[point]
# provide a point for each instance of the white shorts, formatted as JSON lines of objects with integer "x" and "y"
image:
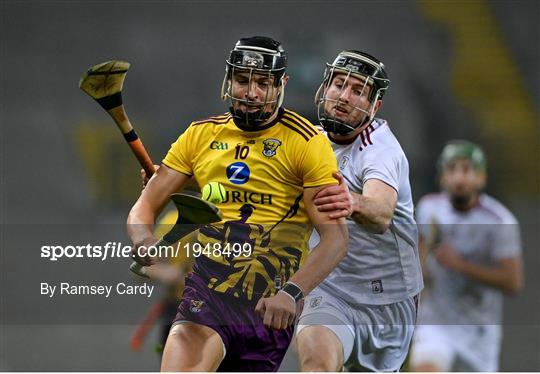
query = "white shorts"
{"x": 457, "y": 347}
{"x": 374, "y": 337}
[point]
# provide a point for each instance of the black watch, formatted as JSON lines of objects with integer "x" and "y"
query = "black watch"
{"x": 293, "y": 290}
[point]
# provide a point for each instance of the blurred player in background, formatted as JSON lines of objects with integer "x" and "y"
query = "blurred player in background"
{"x": 237, "y": 309}
{"x": 472, "y": 250}
{"x": 363, "y": 314}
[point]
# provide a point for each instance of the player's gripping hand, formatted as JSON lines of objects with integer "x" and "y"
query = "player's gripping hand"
{"x": 139, "y": 252}
{"x": 335, "y": 199}
{"x": 278, "y": 311}
{"x": 145, "y": 178}
{"x": 448, "y": 257}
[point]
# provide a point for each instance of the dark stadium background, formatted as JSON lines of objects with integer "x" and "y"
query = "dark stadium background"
{"x": 458, "y": 69}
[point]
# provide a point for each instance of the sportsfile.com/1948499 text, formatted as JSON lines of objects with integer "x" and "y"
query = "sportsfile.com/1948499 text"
{"x": 117, "y": 250}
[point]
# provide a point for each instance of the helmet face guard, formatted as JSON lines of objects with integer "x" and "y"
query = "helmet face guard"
{"x": 255, "y": 59}
{"x": 359, "y": 65}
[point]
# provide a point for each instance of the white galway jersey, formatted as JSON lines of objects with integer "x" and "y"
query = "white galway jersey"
{"x": 483, "y": 235}
{"x": 379, "y": 268}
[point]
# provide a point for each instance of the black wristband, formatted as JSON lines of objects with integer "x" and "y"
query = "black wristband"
{"x": 293, "y": 290}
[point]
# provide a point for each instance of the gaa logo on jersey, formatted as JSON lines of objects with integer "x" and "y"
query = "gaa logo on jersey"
{"x": 219, "y": 146}
{"x": 270, "y": 146}
{"x": 238, "y": 173}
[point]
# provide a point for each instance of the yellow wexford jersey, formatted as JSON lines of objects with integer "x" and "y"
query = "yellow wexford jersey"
{"x": 263, "y": 238}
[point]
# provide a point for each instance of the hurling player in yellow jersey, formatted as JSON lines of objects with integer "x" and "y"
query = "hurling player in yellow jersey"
{"x": 240, "y": 301}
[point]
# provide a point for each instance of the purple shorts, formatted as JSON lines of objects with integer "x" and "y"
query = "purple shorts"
{"x": 249, "y": 344}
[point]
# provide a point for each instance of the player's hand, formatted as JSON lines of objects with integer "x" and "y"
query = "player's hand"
{"x": 165, "y": 273}
{"x": 139, "y": 252}
{"x": 278, "y": 311}
{"x": 335, "y": 199}
{"x": 145, "y": 178}
{"x": 448, "y": 257}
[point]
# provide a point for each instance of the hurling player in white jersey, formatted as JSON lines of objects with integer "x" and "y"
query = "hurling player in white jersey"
{"x": 472, "y": 250}
{"x": 362, "y": 315}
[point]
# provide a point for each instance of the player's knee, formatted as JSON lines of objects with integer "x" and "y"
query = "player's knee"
{"x": 192, "y": 347}
{"x": 177, "y": 335}
{"x": 318, "y": 354}
{"x": 312, "y": 360}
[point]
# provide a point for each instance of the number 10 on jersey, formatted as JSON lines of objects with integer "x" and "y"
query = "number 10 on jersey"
{"x": 241, "y": 152}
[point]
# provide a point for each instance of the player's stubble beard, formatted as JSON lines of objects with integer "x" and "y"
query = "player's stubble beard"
{"x": 351, "y": 137}
{"x": 251, "y": 120}
{"x": 331, "y": 106}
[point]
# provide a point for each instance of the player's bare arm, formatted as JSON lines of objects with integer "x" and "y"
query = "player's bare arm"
{"x": 152, "y": 200}
{"x": 373, "y": 208}
{"x": 279, "y": 311}
{"x": 506, "y": 274}
{"x": 330, "y": 250}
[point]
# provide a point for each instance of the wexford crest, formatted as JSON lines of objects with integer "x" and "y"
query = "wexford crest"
{"x": 270, "y": 147}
